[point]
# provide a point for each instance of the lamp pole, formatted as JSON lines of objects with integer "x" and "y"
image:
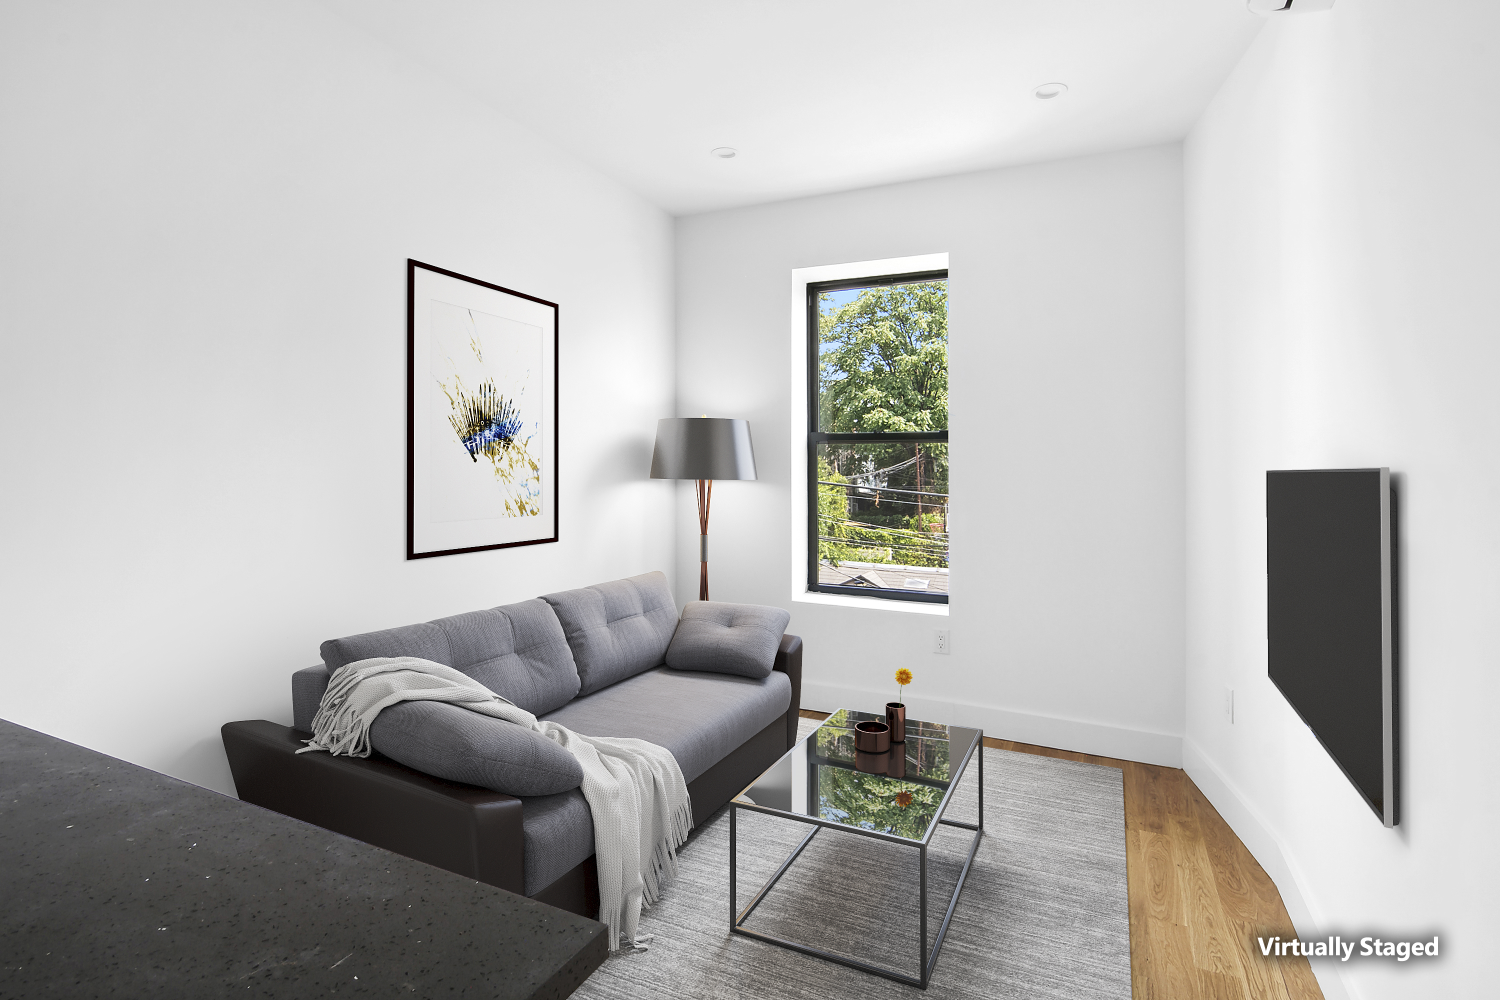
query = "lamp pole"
{"x": 705, "y": 497}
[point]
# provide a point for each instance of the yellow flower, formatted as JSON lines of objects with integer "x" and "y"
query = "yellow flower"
{"x": 903, "y": 677}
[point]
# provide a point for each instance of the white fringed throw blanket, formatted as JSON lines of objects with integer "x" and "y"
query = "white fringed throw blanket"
{"x": 634, "y": 789}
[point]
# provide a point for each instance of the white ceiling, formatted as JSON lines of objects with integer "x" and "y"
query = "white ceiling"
{"x": 822, "y": 95}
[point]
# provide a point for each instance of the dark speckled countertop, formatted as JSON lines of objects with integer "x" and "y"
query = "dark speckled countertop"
{"x": 117, "y": 881}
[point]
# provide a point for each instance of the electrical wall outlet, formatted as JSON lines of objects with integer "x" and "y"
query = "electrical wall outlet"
{"x": 940, "y": 642}
{"x": 1229, "y": 704}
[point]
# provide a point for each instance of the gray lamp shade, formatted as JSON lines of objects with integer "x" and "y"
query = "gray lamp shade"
{"x": 702, "y": 448}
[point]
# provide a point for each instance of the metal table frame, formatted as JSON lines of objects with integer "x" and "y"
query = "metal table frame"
{"x": 925, "y": 960}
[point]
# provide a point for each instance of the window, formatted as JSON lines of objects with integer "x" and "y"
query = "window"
{"x": 877, "y": 442}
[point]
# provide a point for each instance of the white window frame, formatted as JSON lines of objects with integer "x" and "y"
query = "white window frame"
{"x": 797, "y": 349}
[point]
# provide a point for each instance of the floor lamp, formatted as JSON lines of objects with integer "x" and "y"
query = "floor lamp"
{"x": 704, "y": 449}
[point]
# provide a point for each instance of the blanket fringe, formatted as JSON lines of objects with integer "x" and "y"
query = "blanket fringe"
{"x": 340, "y": 732}
{"x": 663, "y": 867}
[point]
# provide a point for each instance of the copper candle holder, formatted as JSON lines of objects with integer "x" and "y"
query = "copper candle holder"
{"x": 872, "y": 737}
{"x": 895, "y": 718}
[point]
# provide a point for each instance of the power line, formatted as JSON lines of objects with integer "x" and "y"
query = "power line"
{"x": 880, "y": 472}
{"x": 932, "y": 537}
{"x": 882, "y": 544}
{"x": 865, "y": 525}
{"x": 881, "y": 489}
{"x": 913, "y": 553}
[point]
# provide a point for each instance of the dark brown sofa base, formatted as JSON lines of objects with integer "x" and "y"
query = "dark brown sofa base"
{"x": 472, "y": 831}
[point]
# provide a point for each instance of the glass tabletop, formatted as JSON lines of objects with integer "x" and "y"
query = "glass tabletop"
{"x": 900, "y": 793}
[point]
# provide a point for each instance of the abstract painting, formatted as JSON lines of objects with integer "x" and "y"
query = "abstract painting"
{"x": 481, "y": 415}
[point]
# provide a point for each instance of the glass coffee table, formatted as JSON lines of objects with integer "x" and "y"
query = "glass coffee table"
{"x": 898, "y": 797}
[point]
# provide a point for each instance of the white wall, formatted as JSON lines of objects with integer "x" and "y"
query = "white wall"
{"x": 1343, "y": 309}
{"x": 1067, "y": 442}
{"x": 207, "y": 211}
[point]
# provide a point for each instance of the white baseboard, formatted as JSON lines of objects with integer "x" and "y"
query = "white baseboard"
{"x": 1250, "y": 826}
{"x": 1001, "y": 723}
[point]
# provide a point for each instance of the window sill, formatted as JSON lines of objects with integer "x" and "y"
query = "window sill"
{"x": 871, "y": 603}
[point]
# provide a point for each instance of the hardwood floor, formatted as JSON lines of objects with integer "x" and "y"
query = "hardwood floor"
{"x": 1197, "y": 896}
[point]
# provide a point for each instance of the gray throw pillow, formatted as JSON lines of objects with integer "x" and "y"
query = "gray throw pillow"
{"x": 446, "y": 741}
{"x": 728, "y": 638}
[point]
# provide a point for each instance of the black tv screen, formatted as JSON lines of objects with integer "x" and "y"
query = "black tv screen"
{"x": 1331, "y": 618}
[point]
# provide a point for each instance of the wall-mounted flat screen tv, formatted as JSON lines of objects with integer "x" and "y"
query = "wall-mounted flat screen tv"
{"x": 1331, "y": 618}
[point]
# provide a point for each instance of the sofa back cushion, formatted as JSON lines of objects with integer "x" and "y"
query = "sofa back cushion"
{"x": 616, "y": 630}
{"x": 517, "y": 651}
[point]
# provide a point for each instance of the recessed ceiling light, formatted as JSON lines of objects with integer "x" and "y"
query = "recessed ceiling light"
{"x": 1047, "y": 91}
{"x": 723, "y": 152}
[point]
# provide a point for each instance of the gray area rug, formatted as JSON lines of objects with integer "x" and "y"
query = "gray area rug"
{"x": 1044, "y": 913}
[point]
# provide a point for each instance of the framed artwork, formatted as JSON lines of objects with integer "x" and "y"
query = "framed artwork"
{"x": 481, "y": 415}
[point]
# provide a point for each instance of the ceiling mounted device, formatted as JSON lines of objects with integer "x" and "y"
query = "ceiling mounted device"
{"x": 1048, "y": 91}
{"x": 1287, "y": 6}
{"x": 724, "y": 152}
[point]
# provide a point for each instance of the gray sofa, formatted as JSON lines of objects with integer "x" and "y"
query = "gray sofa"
{"x": 718, "y": 687}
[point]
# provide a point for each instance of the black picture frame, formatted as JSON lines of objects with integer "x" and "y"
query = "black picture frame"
{"x": 442, "y": 496}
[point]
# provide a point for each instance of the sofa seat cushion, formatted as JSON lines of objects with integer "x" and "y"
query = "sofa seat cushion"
{"x": 700, "y": 717}
{"x": 517, "y": 651}
{"x": 728, "y": 638}
{"x": 618, "y": 629}
{"x": 448, "y": 741}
